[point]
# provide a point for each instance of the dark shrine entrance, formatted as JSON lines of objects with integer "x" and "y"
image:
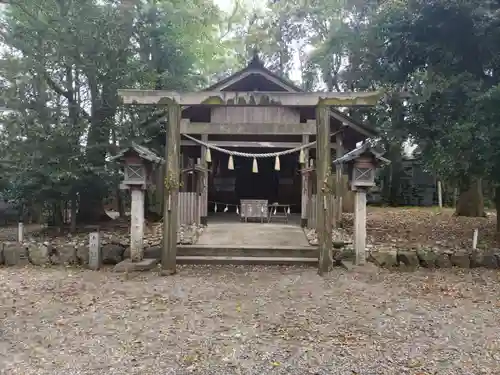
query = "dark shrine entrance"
{"x": 261, "y": 185}
{"x": 229, "y": 187}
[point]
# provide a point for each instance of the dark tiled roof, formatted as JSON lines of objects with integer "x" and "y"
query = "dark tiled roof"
{"x": 255, "y": 64}
{"x": 142, "y": 151}
{"x": 357, "y": 152}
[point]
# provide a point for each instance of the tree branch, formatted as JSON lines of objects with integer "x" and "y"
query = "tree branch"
{"x": 67, "y": 94}
{"x": 155, "y": 116}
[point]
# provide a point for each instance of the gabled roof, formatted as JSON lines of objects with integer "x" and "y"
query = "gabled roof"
{"x": 365, "y": 148}
{"x": 143, "y": 152}
{"x": 256, "y": 66}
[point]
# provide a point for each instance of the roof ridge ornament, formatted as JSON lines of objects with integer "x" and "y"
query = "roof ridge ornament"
{"x": 255, "y": 62}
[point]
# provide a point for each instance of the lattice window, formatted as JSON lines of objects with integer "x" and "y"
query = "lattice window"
{"x": 408, "y": 172}
{"x": 364, "y": 175}
{"x": 135, "y": 172}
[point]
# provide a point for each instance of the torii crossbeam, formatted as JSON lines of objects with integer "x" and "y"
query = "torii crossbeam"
{"x": 251, "y": 98}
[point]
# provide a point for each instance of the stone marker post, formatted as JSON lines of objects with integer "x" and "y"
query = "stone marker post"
{"x": 360, "y": 226}
{"x": 137, "y": 224}
{"x": 20, "y": 232}
{"x": 95, "y": 254}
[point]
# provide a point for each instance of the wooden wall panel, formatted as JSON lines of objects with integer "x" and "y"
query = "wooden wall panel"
{"x": 255, "y": 115}
{"x": 189, "y": 209}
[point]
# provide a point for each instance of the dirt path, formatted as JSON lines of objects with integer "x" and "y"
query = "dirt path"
{"x": 249, "y": 320}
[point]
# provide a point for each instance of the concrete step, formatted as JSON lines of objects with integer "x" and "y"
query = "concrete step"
{"x": 249, "y": 251}
{"x": 200, "y": 259}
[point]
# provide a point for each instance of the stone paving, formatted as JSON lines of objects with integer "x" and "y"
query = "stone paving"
{"x": 253, "y": 234}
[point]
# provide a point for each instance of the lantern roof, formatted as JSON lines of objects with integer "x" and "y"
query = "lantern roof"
{"x": 364, "y": 149}
{"x": 141, "y": 151}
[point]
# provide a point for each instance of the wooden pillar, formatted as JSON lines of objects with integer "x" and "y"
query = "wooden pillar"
{"x": 339, "y": 188}
{"x": 183, "y": 176}
{"x": 360, "y": 226}
{"x": 160, "y": 188}
{"x": 310, "y": 186}
{"x": 323, "y": 172}
{"x": 169, "y": 253}
{"x": 204, "y": 182}
{"x": 305, "y": 185}
{"x": 137, "y": 224}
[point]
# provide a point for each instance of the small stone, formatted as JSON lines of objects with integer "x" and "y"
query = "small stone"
{"x": 153, "y": 252}
{"x": 66, "y": 254}
{"x": 460, "y": 258}
{"x": 112, "y": 254}
{"x": 491, "y": 261}
{"x": 15, "y": 254}
{"x": 128, "y": 266}
{"x": 476, "y": 259}
{"x": 443, "y": 261}
{"x": 39, "y": 254}
{"x": 427, "y": 257}
{"x": 386, "y": 258}
{"x": 408, "y": 258}
{"x": 55, "y": 259}
{"x": 348, "y": 254}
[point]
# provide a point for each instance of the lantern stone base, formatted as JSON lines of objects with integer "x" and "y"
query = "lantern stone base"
{"x": 127, "y": 265}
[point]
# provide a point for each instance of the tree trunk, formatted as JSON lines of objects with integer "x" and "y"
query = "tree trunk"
{"x": 91, "y": 198}
{"x": 73, "y": 214}
{"x": 104, "y": 106}
{"x": 392, "y": 175}
{"x": 470, "y": 202}
{"x": 395, "y": 189}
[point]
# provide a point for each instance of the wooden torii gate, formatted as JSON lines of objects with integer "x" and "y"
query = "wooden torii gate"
{"x": 176, "y": 100}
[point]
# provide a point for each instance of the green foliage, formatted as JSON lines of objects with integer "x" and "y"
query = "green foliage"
{"x": 59, "y": 74}
{"x": 64, "y": 60}
{"x": 443, "y": 55}
{"x": 445, "y": 51}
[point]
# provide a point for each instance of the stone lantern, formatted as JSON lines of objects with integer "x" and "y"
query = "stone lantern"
{"x": 138, "y": 165}
{"x": 362, "y": 163}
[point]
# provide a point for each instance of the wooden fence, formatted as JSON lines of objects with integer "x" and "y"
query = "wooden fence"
{"x": 189, "y": 208}
{"x": 312, "y": 211}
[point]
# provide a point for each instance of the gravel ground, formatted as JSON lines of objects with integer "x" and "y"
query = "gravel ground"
{"x": 249, "y": 320}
